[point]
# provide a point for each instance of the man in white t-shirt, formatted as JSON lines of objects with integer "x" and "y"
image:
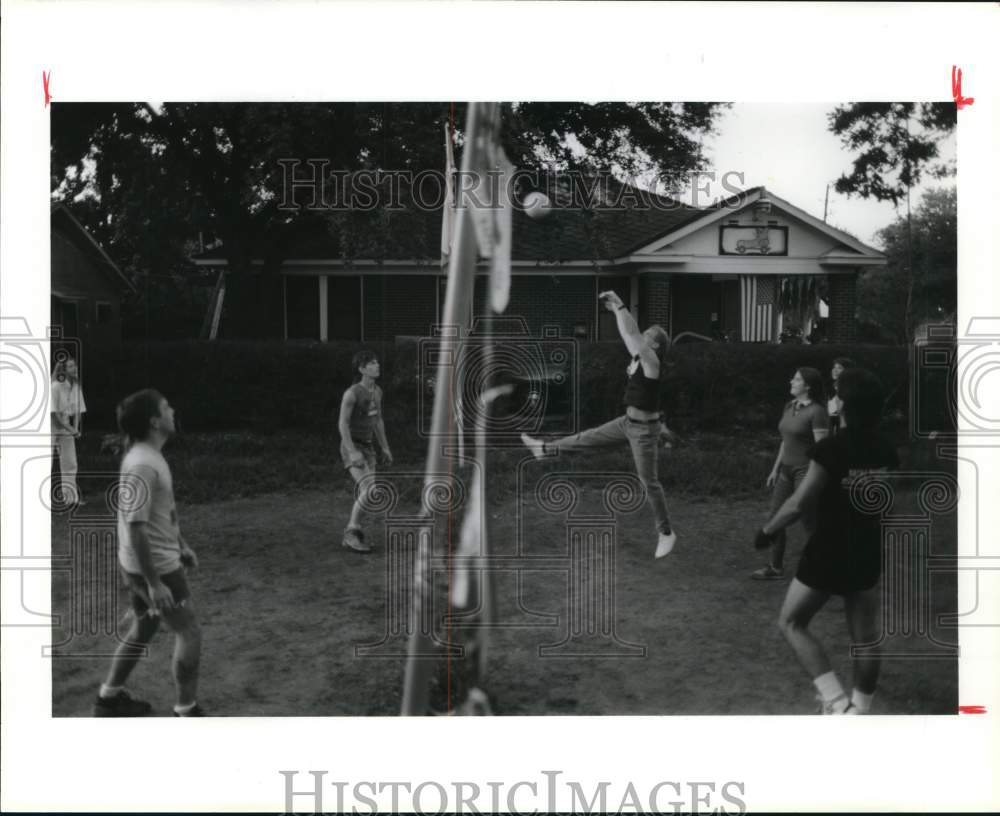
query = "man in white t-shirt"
{"x": 154, "y": 559}
{"x": 66, "y": 415}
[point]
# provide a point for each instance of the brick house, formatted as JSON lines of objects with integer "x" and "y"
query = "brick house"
{"x": 703, "y": 271}
{"x": 86, "y": 295}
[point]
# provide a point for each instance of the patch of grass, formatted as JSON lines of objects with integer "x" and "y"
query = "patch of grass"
{"x": 226, "y": 465}
{"x": 214, "y": 467}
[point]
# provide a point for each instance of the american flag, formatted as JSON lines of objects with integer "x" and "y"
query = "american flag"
{"x": 757, "y": 299}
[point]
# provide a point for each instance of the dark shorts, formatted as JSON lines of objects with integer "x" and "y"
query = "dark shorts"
{"x": 366, "y": 449}
{"x": 138, "y": 591}
{"x": 832, "y": 567}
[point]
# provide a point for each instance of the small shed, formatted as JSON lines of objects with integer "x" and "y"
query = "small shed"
{"x": 86, "y": 296}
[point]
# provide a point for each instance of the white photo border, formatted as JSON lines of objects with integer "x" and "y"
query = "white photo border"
{"x": 336, "y": 51}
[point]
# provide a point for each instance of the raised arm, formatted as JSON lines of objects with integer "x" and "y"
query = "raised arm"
{"x": 627, "y": 327}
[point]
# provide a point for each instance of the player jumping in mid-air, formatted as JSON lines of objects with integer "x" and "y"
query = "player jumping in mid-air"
{"x": 843, "y": 555}
{"x": 154, "y": 558}
{"x": 360, "y": 421}
{"x": 640, "y": 426}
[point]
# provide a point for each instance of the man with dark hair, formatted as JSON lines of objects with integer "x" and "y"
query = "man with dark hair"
{"x": 154, "y": 558}
{"x": 359, "y": 422}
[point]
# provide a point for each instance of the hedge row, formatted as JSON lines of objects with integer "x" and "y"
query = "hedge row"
{"x": 267, "y": 386}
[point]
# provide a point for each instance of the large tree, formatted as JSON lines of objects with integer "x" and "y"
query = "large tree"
{"x": 897, "y": 143}
{"x": 883, "y": 309}
{"x": 149, "y": 180}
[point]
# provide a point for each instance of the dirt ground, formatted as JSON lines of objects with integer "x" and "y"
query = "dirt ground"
{"x": 283, "y": 607}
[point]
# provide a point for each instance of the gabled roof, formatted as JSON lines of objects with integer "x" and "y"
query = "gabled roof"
{"x": 60, "y": 212}
{"x": 565, "y": 234}
{"x": 728, "y": 206}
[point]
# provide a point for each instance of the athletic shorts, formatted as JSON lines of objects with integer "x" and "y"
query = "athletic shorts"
{"x": 832, "y": 567}
{"x": 367, "y": 450}
{"x": 138, "y": 590}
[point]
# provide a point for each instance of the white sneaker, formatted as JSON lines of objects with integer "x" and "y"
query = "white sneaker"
{"x": 834, "y": 706}
{"x": 665, "y": 544}
{"x": 536, "y": 446}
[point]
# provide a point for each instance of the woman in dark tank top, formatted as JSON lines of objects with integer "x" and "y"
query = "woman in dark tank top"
{"x": 639, "y": 426}
{"x": 843, "y": 554}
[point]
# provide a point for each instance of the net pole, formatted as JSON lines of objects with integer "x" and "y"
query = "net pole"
{"x": 457, "y": 308}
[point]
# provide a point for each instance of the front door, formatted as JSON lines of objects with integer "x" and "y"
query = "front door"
{"x": 694, "y": 302}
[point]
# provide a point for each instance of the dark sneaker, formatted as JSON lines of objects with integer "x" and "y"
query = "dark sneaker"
{"x": 197, "y": 711}
{"x": 768, "y": 573}
{"x": 355, "y": 540}
{"x": 121, "y": 705}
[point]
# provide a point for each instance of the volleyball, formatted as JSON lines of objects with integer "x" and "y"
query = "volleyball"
{"x": 537, "y": 205}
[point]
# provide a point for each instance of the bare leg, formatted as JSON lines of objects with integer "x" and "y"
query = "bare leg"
{"x": 187, "y": 651}
{"x": 778, "y": 550}
{"x": 801, "y": 604}
{"x": 358, "y": 474}
{"x": 862, "y": 610}
{"x": 127, "y": 655}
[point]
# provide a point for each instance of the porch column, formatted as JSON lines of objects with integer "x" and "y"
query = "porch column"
{"x": 324, "y": 324}
{"x": 654, "y": 300}
{"x": 842, "y": 325}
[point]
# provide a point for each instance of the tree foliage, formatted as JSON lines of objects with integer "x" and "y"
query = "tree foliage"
{"x": 151, "y": 181}
{"x": 896, "y": 143}
{"x": 882, "y": 292}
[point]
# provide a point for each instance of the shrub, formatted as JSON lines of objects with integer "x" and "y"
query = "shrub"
{"x": 729, "y": 386}
{"x": 271, "y": 386}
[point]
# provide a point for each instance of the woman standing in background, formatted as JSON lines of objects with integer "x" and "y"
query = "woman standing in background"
{"x": 803, "y": 422}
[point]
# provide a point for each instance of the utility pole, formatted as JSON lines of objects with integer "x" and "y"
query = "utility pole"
{"x": 826, "y": 203}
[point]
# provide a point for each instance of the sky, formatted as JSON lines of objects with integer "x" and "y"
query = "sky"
{"x": 788, "y": 149}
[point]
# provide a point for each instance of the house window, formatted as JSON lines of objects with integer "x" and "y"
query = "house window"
{"x": 104, "y": 313}
{"x": 65, "y": 317}
{"x": 302, "y": 307}
{"x": 343, "y": 297}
